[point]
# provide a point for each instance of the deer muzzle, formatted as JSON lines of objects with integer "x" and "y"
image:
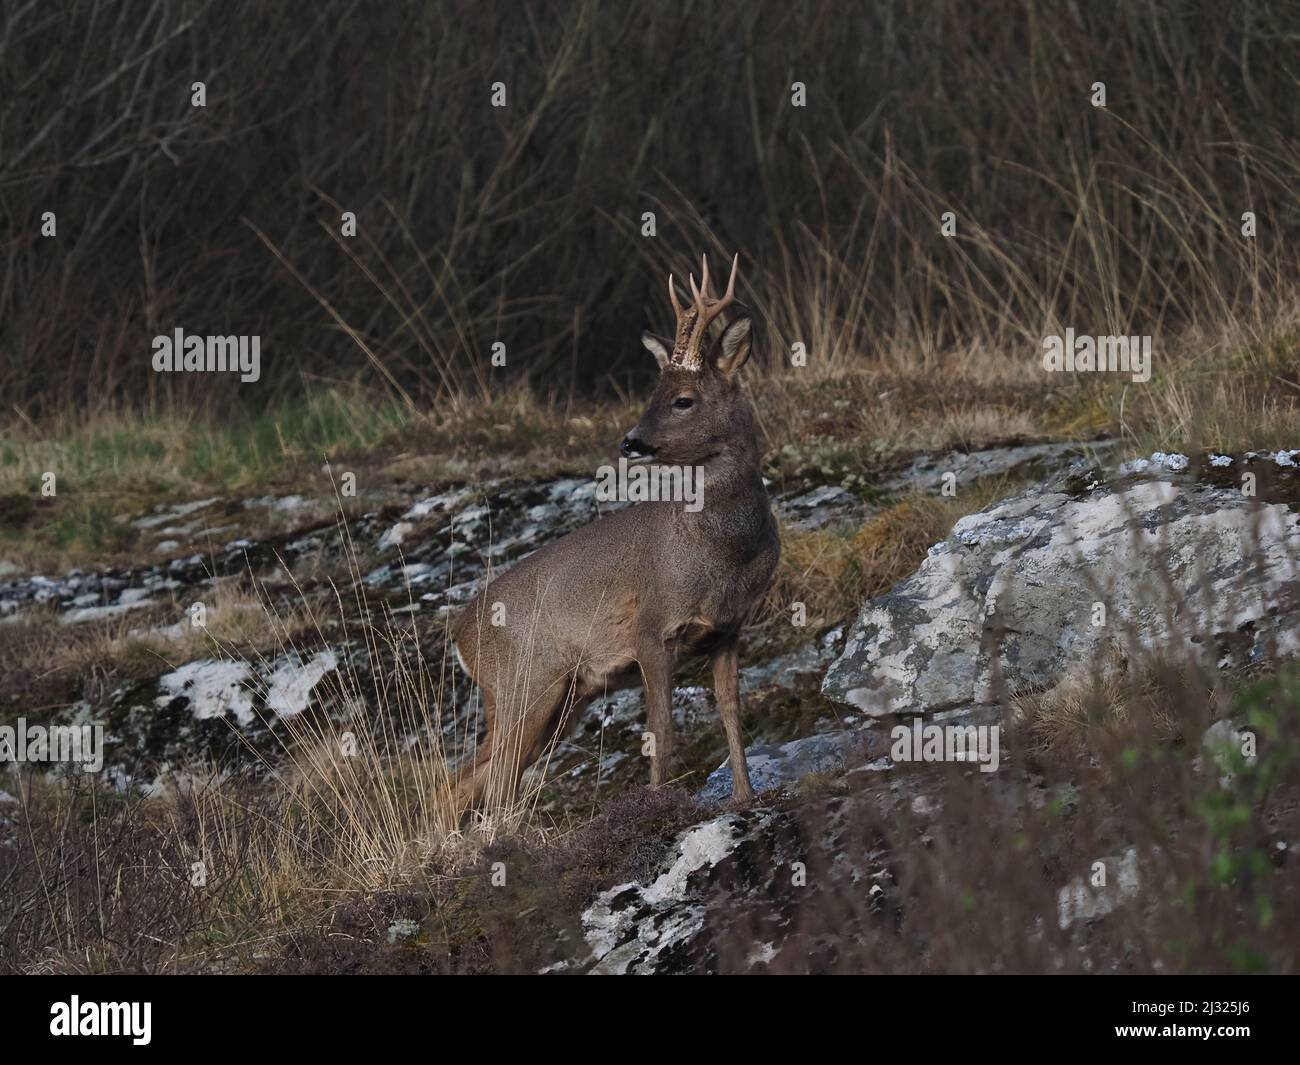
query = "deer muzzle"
{"x": 634, "y": 449}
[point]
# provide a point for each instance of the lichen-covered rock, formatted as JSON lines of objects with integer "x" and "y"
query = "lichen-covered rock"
{"x": 1230, "y": 748}
{"x": 638, "y": 928}
{"x": 1113, "y": 881}
{"x": 222, "y": 711}
{"x": 808, "y": 660}
{"x": 774, "y": 766}
{"x": 1051, "y": 579}
{"x": 821, "y": 506}
{"x": 926, "y": 473}
{"x": 729, "y": 893}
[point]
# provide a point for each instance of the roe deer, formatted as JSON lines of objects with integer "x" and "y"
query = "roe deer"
{"x": 637, "y": 589}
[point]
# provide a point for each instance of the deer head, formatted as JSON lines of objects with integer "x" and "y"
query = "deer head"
{"x": 698, "y": 411}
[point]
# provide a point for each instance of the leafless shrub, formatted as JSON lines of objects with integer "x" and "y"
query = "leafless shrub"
{"x": 478, "y": 224}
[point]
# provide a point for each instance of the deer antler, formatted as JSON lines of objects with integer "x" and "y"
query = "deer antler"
{"x": 693, "y": 321}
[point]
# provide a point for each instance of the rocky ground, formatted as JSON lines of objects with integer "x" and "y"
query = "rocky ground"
{"x": 1184, "y": 565}
{"x": 406, "y": 568}
{"x": 1091, "y": 566}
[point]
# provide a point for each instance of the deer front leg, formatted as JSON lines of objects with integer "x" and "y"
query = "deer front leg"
{"x": 657, "y": 673}
{"x": 726, "y": 689}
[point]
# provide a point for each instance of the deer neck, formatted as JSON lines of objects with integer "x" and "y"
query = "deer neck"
{"x": 732, "y": 502}
{"x": 732, "y": 474}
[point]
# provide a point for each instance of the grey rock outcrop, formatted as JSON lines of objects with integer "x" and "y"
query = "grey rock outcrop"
{"x": 636, "y": 928}
{"x": 926, "y": 473}
{"x": 774, "y": 765}
{"x": 1051, "y": 580}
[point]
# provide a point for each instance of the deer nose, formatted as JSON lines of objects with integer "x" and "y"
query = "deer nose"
{"x": 634, "y": 447}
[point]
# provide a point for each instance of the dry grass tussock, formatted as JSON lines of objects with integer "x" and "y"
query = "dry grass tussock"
{"x": 834, "y": 570}
{"x": 1103, "y": 706}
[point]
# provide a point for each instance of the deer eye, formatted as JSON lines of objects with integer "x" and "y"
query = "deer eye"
{"x": 683, "y": 403}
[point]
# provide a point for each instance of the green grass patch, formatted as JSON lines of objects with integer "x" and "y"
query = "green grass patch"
{"x": 113, "y": 468}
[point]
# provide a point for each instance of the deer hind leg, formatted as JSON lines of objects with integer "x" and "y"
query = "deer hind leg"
{"x": 563, "y": 718}
{"x": 518, "y": 730}
{"x": 471, "y": 781}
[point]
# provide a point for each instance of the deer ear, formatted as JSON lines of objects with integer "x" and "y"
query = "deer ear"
{"x": 657, "y": 346}
{"x": 733, "y": 347}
